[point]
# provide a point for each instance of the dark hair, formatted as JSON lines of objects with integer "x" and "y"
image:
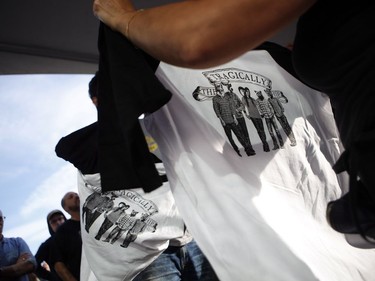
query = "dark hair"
{"x": 93, "y": 86}
{"x": 63, "y": 202}
{"x": 54, "y": 213}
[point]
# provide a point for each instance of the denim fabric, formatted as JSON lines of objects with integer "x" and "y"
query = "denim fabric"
{"x": 179, "y": 263}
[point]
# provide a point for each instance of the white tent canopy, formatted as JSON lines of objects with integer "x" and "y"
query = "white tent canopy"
{"x": 44, "y": 36}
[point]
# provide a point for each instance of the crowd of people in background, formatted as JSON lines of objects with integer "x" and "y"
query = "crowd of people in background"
{"x": 58, "y": 258}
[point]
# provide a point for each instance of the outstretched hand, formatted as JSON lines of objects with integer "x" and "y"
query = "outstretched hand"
{"x": 112, "y": 12}
{"x": 169, "y": 32}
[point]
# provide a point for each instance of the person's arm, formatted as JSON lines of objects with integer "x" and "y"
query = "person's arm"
{"x": 41, "y": 256}
{"x": 33, "y": 277}
{"x": 200, "y": 33}
{"x": 24, "y": 265}
{"x": 64, "y": 272}
{"x": 57, "y": 257}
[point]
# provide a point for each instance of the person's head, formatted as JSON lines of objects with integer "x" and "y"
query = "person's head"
{"x": 226, "y": 83}
{"x": 2, "y": 218}
{"x": 219, "y": 87}
{"x": 55, "y": 218}
{"x": 133, "y": 213}
{"x": 70, "y": 203}
{"x": 144, "y": 216}
{"x": 230, "y": 88}
{"x": 93, "y": 89}
{"x": 123, "y": 206}
{"x": 241, "y": 90}
{"x": 259, "y": 94}
{"x": 268, "y": 92}
{"x": 247, "y": 92}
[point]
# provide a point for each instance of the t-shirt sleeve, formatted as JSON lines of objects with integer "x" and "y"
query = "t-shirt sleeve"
{"x": 55, "y": 251}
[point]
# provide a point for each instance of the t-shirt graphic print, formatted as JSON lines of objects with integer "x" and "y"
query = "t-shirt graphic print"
{"x": 236, "y": 94}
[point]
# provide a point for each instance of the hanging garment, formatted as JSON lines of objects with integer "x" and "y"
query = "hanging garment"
{"x": 127, "y": 89}
{"x": 81, "y": 149}
{"x": 258, "y": 217}
{"x": 124, "y": 231}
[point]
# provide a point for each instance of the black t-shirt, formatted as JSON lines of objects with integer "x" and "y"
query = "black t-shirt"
{"x": 81, "y": 149}
{"x": 67, "y": 246}
{"x": 334, "y": 52}
{"x": 43, "y": 254}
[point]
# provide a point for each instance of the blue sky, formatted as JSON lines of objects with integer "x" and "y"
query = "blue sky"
{"x": 36, "y": 111}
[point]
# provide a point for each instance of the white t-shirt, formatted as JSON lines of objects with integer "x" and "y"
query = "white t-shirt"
{"x": 259, "y": 217}
{"x": 136, "y": 228}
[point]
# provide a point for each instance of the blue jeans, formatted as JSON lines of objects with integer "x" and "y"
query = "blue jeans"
{"x": 179, "y": 263}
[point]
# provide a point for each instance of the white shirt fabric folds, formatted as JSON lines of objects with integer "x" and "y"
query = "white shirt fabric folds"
{"x": 259, "y": 217}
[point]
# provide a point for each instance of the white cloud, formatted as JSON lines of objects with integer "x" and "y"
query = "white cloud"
{"x": 48, "y": 194}
{"x": 36, "y": 111}
{"x": 14, "y": 173}
{"x": 49, "y": 108}
{"x": 34, "y": 233}
{"x": 31, "y": 219}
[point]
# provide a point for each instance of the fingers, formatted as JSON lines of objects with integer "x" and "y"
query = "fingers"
{"x": 95, "y": 9}
{"x": 23, "y": 257}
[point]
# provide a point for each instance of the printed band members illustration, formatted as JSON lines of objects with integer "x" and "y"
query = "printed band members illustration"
{"x": 111, "y": 218}
{"x": 93, "y": 206}
{"x": 139, "y": 227}
{"x": 253, "y": 114}
{"x": 240, "y": 109}
{"x": 266, "y": 112}
{"x": 124, "y": 223}
{"x": 275, "y": 98}
{"x": 225, "y": 110}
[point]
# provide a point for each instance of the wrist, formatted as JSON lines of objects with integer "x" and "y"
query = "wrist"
{"x": 132, "y": 16}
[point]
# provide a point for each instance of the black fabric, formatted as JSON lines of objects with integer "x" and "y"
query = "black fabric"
{"x": 280, "y": 54}
{"x": 81, "y": 149}
{"x": 127, "y": 89}
{"x": 43, "y": 254}
{"x": 334, "y": 52}
{"x": 67, "y": 246}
